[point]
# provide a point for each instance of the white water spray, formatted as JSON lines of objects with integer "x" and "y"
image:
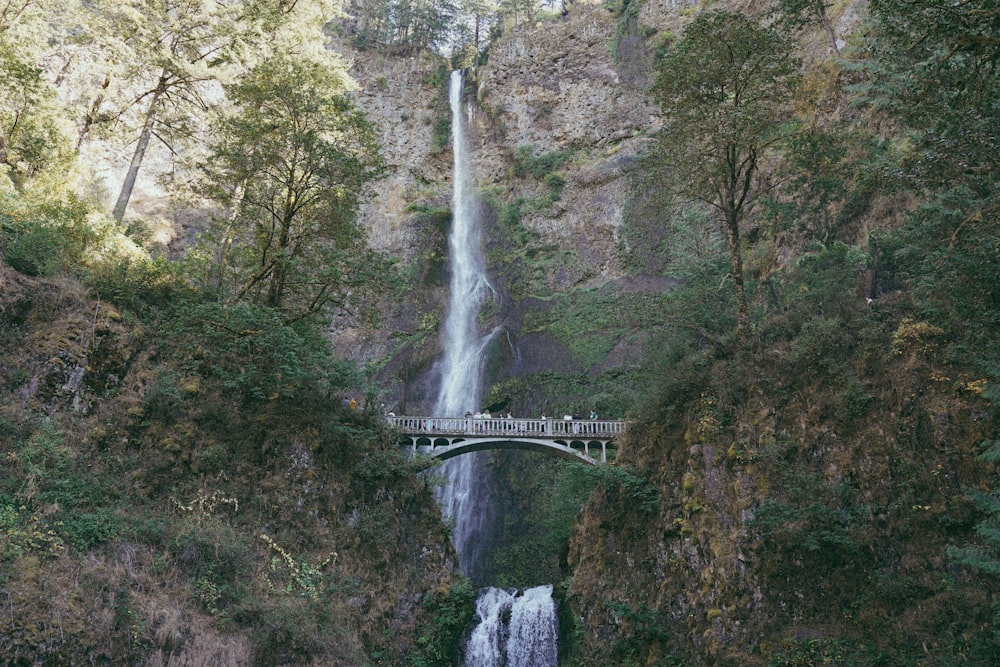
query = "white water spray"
{"x": 513, "y": 630}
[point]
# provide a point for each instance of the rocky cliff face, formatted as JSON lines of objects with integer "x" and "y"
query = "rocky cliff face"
{"x": 557, "y": 87}
{"x": 559, "y": 117}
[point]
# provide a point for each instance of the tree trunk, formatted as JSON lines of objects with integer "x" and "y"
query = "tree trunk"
{"x": 137, "y": 157}
{"x": 736, "y": 257}
{"x": 279, "y": 277}
{"x": 829, "y": 28}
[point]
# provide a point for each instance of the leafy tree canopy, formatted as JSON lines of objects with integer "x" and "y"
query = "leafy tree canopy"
{"x": 290, "y": 163}
{"x": 725, "y": 90}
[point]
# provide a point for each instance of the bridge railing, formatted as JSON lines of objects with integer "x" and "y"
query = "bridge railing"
{"x": 513, "y": 426}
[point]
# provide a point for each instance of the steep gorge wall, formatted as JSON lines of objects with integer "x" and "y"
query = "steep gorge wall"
{"x": 556, "y": 88}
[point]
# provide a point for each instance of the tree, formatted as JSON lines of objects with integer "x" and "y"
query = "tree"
{"x": 984, "y": 555}
{"x": 934, "y": 66}
{"x": 934, "y": 69}
{"x": 725, "y": 90}
{"x": 290, "y": 163}
{"x": 30, "y": 137}
{"x": 31, "y": 134}
{"x": 175, "y": 52}
{"x": 402, "y": 24}
{"x": 798, "y": 14}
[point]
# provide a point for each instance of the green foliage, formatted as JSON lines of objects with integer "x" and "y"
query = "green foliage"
{"x": 544, "y": 168}
{"x": 826, "y": 651}
{"x": 32, "y": 139}
{"x": 643, "y": 627}
{"x": 139, "y": 284}
{"x": 547, "y": 496}
{"x": 298, "y": 575}
{"x": 825, "y": 279}
{"x": 932, "y": 66}
{"x": 252, "y": 351}
{"x": 800, "y": 14}
{"x": 40, "y": 238}
{"x": 832, "y": 176}
{"x": 628, "y": 23}
{"x": 24, "y": 531}
{"x": 441, "y": 135}
{"x": 52, "y": 501}
{"x": 590, "y": 322}
{"x": 635, "y": 491}
{"x": 292, "y": 240}
{"x": 384, "y": 466}
{"x": 436, "y": 222}
{"x": 810, "y": 518}
{"x": 85, "y": 530}
{"x": 451, "y": 610}
{"x": 526, "y": 163}
{"x": 821, "y": 345}
{"x": 725, "y": 90}
{"x": 287, "y": 629}
{"x": 952, "y": 261}
{"x": 555, "y": 183}
{"x": 984, "y": 554}
{"x": 401, "y": 25}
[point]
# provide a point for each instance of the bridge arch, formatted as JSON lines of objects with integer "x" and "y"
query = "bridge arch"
{"x": 586, "y": 440}
{"x": 590, "y": 451}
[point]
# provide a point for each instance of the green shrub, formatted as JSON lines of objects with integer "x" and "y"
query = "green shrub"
{"x": 821, "y": 345}
{"x": 35, "y": 250}
{"x": 825, "y": 651}
{"x": 137, "y": 283}
{"x": 252, "y": 351}
{"x": 526, "y": 163}
{"x": 556, "y": 182}
{"x": 809, "y": 520}
{"x": 41, "y": 238}
{"x": 451, "y": 610}
{"x": 89, "y": 529}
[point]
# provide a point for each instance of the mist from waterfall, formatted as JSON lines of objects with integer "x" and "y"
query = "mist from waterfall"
{"x": 513, "y": 630}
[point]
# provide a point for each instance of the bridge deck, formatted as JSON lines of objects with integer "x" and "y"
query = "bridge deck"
{"x": 444, "y": 437}
{"x": 596, "y": 429}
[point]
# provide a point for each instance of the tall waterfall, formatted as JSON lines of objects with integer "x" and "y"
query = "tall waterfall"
{"x": 514, "y": 630}
{"x": 463, "y": 345}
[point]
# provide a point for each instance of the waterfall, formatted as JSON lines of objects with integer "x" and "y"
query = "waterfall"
{"x": 463, "y": 345}
{"x": 513, "y": 630}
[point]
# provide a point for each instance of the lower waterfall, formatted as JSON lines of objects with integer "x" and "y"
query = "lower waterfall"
{"x": 514, "y": 629}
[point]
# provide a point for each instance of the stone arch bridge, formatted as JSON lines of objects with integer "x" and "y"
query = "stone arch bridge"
{"x": 583, "y": 440}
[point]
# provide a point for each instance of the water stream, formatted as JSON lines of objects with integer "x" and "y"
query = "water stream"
{"x": 514, "y": 629}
